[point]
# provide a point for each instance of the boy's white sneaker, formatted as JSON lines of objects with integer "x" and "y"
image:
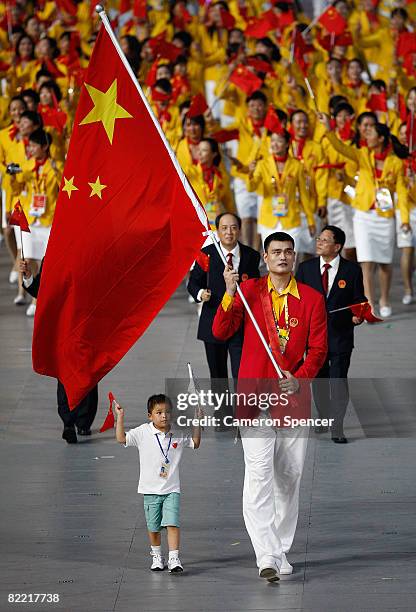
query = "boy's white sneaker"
{"x": 158, "y": 563}
{"x": 285, "y": 569}
{"x": 174, "y": 565}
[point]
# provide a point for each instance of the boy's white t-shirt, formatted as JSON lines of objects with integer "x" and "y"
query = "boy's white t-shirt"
{"x": 151, "y": 457}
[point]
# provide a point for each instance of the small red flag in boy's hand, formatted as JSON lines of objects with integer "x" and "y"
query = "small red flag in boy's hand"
{"x": 109, "y": 419}
{"x": 363, "y": 311}
{"x": 18, "y": 218}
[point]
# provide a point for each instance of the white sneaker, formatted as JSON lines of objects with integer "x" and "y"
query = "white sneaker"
{"x": 13, "y": 277}
{"x": 158, "y": 563}
{"x": 285, "y": 569}
{"x": 174, "y": 565}
{"x": 385, "y": 312}
{"x": 19, "y": 300}
{"x": 30, "y": 311}
{"x": 269, "y": 573}
{"x": 407, "y": 299}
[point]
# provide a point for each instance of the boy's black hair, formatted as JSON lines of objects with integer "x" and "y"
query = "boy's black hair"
{"x": 158, "y": 398}
{"x": 257, "y": 95}
{"x": 41, "y": 138}
{"x": 279, "y": 237}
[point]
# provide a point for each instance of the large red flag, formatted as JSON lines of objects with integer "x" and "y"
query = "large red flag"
{"x": 127, "y": 228}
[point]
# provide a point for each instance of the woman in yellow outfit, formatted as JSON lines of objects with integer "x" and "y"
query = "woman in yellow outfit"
{"x": 37, "y": 186}
{"x": 280, "y": 181}
{"x": 380, "y": 177}
{"x": 341, "y": 174}
{"x": 211, "y": 184}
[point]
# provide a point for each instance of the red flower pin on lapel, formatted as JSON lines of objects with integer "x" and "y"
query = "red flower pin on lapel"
{"x": 175, "y": 444}
{"x": 244, "y": 277}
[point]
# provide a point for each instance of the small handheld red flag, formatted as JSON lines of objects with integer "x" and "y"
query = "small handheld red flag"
{"x": 378, "y": 102}
{"x": 228, "y": 21}
{"x": 245, "y": 79}
{"x": 18, "y": 218}
{"x": 363, "y": 311}
{"x": 198, "y": 106}
{"x": 222, "y": 136}
{"x": 333, "y": 21}
{"x": 109, "y": 419}
{"x": 203, "y": 261}
{"x": 272, "y": 122}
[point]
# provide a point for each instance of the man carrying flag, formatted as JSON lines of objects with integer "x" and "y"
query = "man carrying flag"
{"x": 125, "y": 208}
{"x": 341, "y": 283}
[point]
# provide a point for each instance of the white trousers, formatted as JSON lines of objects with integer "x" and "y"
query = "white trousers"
{"x": 274, "y": 461}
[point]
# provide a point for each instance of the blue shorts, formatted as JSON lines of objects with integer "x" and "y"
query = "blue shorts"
{"x": 161, "y": 511}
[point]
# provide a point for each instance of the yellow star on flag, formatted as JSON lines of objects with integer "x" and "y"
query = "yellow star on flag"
{"x": 105, "y": 109}
{"x": 69, "y": 186}
{"x": 96, "y": 188}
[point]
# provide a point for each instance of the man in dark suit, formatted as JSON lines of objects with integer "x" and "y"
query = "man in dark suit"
{"x": 341, "y": 282}
{"x": 83, "y": 415}
{"x": 209, "y": 288}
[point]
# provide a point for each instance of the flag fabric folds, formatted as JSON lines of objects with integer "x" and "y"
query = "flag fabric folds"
{"x": 333, "y": 21}
{"x": 109, "y": 418}
{"x": 126, "y": 230}
{"x": 363, "y": 311}
{"x": 245, "y": 79}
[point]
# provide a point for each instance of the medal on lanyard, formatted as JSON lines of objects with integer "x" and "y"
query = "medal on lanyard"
{"x": 283, "y": 332}
{"x": 279, "y": 201}
{"x": 164, "y": 470}
{"x": 384, "y": 201}
{"x": 39, "y": 199}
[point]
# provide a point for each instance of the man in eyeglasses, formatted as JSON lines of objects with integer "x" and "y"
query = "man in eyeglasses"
{"x": 341, "y": 282}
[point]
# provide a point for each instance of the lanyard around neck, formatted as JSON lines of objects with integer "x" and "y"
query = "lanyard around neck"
{"x": 161, "y": 449}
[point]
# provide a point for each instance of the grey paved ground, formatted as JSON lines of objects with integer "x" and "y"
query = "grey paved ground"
{"x": 72, "y": 524}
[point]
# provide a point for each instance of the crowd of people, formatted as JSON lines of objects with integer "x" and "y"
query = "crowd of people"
{"x": 289, "y": 123}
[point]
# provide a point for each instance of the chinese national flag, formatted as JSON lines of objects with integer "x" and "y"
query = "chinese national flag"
{"x": 378, "y": 102}
{"x": 18, "y": 218}
{"x": 272, "y": 122}
{"x": 245, "y": 79}
{"x": 126, "y": 230}
{"x": 333, "y": 21}
{"x": 198, "y": 106}
{"x": 406, "y": 44}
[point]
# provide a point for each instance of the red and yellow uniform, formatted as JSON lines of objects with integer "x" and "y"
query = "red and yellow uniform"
{"x": 213, "y": 189}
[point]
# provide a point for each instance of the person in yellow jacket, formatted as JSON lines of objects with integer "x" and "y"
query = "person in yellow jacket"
{"x": 167, "y": 113}
{"x": 210, "y": 183}
{"x": 380, "y": 177}
{"x": 311, "y": 156}
{"x": 341, "y": 175}
{"x": 280, "y": 181}
{"x": 21, "y": 74}
{"x": 331, "y": 85}
{"x": 251, "y": 145}
{"x": 9, "y": 137}
{"x": 37, "y": 187}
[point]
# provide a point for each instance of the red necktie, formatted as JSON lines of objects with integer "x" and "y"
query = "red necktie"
{"x": 230, "y": 260}
{"x": 325, "y": 278}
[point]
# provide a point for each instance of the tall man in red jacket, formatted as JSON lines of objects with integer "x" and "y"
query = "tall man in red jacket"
{"x": 292, "y": 318}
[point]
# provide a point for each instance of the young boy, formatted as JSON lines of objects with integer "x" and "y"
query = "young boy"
{"x": 160, "y": 451}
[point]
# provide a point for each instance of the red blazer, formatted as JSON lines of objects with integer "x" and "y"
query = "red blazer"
{"x": 308, "y": 332}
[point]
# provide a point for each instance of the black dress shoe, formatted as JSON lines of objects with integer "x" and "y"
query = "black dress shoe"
{"x": 83, "y": 431}
{"x": 320, "y": 429}
{"x": 69, "y": 435}
{"x": 340, "y": 440}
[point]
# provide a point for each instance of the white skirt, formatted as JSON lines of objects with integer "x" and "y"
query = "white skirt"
{"x": 307, "y": 243}
{"x": 409, "y": 239}
{"x": 35, "y": 243}
{"x": 342, "y": 215}
{"x": 374, "y": 237}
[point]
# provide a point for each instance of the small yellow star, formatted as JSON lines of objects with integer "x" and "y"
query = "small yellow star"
{"x": 105, "y": 108}
{"x": 96, "y": 188}
{"x": 69, "y": 186}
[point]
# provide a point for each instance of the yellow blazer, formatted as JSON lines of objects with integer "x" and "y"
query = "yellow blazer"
{"x": 316, "y": 180}
{"x": 291, "y": 183}
{"x": 392, "y": 178}
{"x": 217, "y": 200}
{"x": 339, "y": 178}
{"x": 47, "y": 183}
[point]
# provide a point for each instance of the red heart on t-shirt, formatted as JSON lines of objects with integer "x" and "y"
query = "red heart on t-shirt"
{"x": 175, "y": 444}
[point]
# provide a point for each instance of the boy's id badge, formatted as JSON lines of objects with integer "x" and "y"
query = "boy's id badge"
{"x": 384, "y": 199}
{"x": 164, "y": 470}
{"x": 38, "y": 205}
{"x": 279, "y": 204}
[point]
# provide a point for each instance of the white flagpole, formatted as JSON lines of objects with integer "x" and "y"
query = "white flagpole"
{"x": 200, "y": 211}
{"x": 249, "y": 311}
{"x": 198, "y": 208}
{"x": 347, "y": 307}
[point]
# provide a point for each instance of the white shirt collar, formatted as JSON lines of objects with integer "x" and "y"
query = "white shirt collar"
{"x": 334, "y": 263}
{"x": 157, "y": 431}
{"x": 235, "y": 251}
